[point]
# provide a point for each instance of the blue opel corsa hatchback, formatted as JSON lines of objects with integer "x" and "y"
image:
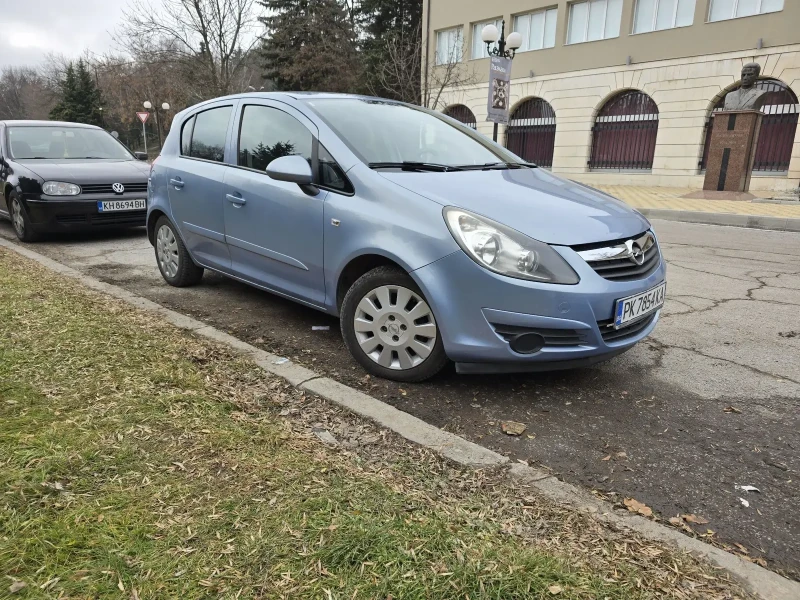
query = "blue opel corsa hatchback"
{"x": 427, "y": 240}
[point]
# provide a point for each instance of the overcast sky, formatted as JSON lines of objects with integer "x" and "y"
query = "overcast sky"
{"x": 32, "y": 28}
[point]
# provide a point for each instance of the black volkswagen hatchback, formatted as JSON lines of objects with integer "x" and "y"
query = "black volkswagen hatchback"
{"x": 68, "y": 176}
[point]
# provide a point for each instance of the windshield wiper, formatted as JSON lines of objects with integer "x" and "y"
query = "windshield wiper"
{"x": 497, "y": 165}
{"x": 408, "y": 165}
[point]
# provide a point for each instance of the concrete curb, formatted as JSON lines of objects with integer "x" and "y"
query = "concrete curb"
{"x": 708, "y": 218}
{"x": 761, "y": 582}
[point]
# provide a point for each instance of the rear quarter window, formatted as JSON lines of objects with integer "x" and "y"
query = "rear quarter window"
{"x": 186, "y": 136}
{"x": 209, "y": 134}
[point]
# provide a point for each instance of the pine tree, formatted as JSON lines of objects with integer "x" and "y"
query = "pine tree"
{"x": 80, "y": 97}
{"x": 310, "y": 45}
{"x": 66, "y": 109}
{"x": 392, "y": 48}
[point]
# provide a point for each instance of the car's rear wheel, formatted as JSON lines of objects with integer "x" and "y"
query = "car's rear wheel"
{"x": 20, "y": 221}
{"x": 176, "y": 266}
{"x": 389, "y": 327}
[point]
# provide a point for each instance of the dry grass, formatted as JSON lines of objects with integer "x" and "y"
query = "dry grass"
{"x": 139, "y": 462}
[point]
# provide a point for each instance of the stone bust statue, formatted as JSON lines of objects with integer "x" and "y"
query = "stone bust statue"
{"x": 747, "y": 97}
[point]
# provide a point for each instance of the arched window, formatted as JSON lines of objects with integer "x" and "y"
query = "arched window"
{"x": 531, "y": 132}
{"x": 778, "y": 127}
{"x": 624, "y": 133}
{"x": 459, "y": 112}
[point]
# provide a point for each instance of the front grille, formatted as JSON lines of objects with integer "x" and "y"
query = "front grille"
{"x": 105, "y": 188}
{"x": 129, "y": 218}
{"x": 623, "y": 268}
{"x": 552, "y": 337}
{"x": 628, "y": 331}
{"x": 133, "y": 217}
{"x": 68, "y": 219}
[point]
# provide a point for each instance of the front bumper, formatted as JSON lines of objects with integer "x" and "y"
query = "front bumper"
{"x": 54, "y": 215}
{"x": 477, "y": 311}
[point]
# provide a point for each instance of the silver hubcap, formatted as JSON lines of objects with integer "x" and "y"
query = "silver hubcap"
{"x": 16, "y": 217}
{"x": 167, "y": 251}
{"x": 395, "y": 327}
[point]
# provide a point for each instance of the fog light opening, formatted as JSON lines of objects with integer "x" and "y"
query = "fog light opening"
{"x": 527, "y": 343}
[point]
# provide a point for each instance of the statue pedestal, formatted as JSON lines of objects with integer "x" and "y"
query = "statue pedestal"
{"x": 732, "y": 150}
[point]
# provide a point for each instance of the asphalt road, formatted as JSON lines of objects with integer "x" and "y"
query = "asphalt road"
{"x": 709, "y": 402}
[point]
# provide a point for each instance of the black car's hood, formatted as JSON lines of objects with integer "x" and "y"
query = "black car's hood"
{"x": 532, "y": 201}
{"x": 89, "y": 171}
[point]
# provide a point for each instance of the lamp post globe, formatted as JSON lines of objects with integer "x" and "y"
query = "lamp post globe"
{"x": 147, "y": 104}
{"x": 165, "y": 106}
{"x": 514, "y": 41}
{"x": 490, "y": 34}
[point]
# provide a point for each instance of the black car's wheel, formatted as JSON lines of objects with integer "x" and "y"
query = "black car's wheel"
{"x": 389, "y": 327}
{"x": 176, "y": 266}
{"x": 19, "y": 220}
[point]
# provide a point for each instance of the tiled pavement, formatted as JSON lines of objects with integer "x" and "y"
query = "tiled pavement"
{"x": 663, "y": 198}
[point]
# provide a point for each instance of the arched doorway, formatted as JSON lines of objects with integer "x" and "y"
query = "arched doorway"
{"x": 459, "y": 112}
{"x": 531, "y": 131}
{"x": 624, "y": 133}
{"x": 778, "y": 127}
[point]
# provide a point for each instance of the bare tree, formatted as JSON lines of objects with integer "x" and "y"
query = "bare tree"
{"x": 210, "y": 40}
{"x": 399, "y": 72}
{"x": 24, "y": 94}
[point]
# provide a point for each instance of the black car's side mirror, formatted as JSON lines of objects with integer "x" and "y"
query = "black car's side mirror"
{"x": 141, "y": 155}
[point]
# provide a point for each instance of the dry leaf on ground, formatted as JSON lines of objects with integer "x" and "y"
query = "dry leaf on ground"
{"x": 695, "y": 519}
{"x": 17, "y": 586}
{"x": 638, "y": 507}
{"x": 513, "y": 428}
{"x": 555, "y": 589}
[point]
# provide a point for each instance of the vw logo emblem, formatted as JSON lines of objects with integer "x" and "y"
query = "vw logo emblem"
{"x": 118, "y": 188}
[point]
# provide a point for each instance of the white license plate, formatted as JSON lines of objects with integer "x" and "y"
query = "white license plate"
{"x": 120, "y": 205}
{"x": 636, "y": 307}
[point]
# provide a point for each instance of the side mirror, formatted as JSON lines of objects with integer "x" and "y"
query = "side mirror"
{"x": 141, "y": 155}
{"x": 294, "y": 169}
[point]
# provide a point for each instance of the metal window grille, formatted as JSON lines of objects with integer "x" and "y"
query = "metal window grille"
{"x": 531, "y": 132}
{"x": 461, "y": 113}
{"x": 778, "y": 127}
{"x": 624, "y": 133}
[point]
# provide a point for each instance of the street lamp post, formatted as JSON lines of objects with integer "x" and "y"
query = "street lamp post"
{"x": 504, "y": 48}
{"x": 165, "y": 107}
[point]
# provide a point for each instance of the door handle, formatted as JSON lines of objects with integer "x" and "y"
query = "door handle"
{"x": 178, "y": 183}
{"x": 236, "y": 200}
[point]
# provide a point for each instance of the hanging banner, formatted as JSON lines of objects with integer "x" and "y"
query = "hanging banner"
{"x": 499, "y": 89}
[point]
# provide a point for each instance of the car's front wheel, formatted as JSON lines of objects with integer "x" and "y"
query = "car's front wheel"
{"x": 174, "y": 262}
{"x": 389, "y": 327}
{"x": 20, "y": 221}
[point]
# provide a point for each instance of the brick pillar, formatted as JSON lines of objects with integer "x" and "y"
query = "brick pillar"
{"x": 732, "y": 150}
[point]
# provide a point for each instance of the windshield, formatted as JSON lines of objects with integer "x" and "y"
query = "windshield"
{"x": 64, "y": 143}
{"x": 384, "y": 132}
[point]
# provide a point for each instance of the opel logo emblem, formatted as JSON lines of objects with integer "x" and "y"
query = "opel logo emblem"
{"x": 118, "y": 188}
{"x": 394, "y": 329}
{"x": 637, "y": 254}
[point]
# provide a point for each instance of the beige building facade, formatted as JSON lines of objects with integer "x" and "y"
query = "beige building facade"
{"x": 580, "y": 56}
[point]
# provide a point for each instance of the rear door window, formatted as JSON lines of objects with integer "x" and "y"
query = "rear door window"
{"x": 210, "y": 133}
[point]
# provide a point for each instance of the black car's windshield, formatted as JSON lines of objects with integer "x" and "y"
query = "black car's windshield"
{"x": 64, "y": 142}
{"x": 385, "y": 134}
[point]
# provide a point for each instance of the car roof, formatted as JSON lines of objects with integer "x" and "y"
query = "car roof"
{"x": 48, "y": 124}
{"x": 296, "y": 96}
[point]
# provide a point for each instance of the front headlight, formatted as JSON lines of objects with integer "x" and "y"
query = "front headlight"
{"x": 59, "y": 188}
{"x": 507, "y": 251}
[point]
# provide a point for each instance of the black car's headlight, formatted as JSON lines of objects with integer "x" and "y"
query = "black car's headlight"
{"x": 507, "y": 251}
{"x": 59, "y": 188}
